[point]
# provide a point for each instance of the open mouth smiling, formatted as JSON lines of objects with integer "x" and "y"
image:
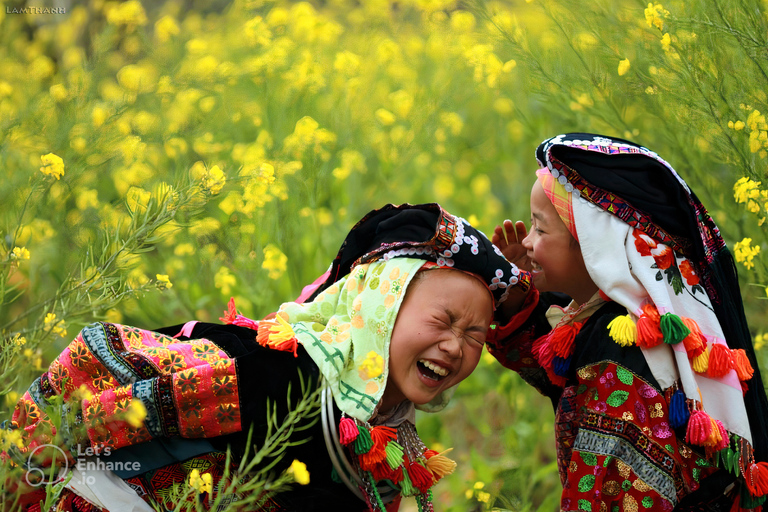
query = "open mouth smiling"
{"x": 431, "y": 370}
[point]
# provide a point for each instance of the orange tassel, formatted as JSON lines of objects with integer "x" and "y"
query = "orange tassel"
{"x": 380, "y": 437}
{"x": 694, "y": 342}
{"x": 277, "y": 334}
{"x": 715, "y": 437}
{"x": 720, "y": 360}
{"x": 561, "y": 340}
{"x": 725, "y": 438}
{"x": 743, "y": 367}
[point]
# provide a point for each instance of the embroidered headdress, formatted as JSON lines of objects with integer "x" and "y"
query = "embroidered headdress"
{"x": 650, "y": 245}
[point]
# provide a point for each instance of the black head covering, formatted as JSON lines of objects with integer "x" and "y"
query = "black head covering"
{"x": 636, "y": 185}
{"x": 426, "y": 231}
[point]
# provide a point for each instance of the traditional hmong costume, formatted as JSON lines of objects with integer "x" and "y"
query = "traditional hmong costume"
{"x": 205, "y": 385}
{"x": 658, "y": 399}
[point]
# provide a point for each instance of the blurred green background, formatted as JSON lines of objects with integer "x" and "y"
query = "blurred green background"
{"x": 161, "y": 157}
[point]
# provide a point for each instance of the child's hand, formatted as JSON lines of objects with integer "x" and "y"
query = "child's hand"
{"x": 509, "y": 240}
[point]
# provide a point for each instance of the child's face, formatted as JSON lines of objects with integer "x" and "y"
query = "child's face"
{"x": 438, "y": 336}
{"x": 558, "y": 265}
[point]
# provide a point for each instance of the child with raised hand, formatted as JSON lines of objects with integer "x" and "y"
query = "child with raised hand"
{"x": 635, "y": 330}
{"x": 400, "y": 320}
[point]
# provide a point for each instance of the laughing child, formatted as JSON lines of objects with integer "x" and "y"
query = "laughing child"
{"x": 659, "y": 404}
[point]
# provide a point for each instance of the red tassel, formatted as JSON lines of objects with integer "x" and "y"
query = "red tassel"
{"x": 648, "y": 332}
{"x": 542, "y": 351}
{"x": 561, "y": 340}
{"x": 699, "y": 428}
{"x": 396, "y": 475}
{"x": 421, "y": 477}
{"x": 347, "y": 431}
{"x": 757, "y": 481}
{"x": 695, "y": 341}
{"x": 720, "y": 360}
{"x": 380, "y": 437}
{"x": 742, "y": 365}
{"x": 381, "y": 471}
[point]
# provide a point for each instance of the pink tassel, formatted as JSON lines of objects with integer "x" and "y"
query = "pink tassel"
{"x": 725, "y": 439}
{"x": 347, "y": 431}
{"x": 699, "y": 428}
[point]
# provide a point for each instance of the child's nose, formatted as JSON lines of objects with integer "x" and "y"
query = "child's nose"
{"x": 526, "y": 243}
{"x": 453, "y": 345}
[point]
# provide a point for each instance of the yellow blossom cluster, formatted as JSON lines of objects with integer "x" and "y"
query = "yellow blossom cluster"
{"x": 745, "y": 252}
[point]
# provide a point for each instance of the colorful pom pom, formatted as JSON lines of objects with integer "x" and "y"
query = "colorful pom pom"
{"x": 699, "y": 428}
{"x": 561, "y": 340}
{"x": 695, "y": 341}
{"x": 725, "y": 438}
{"x": 673, "y": 328}
{"x": 347, "y": 431}
{"x": 757, "y": 478}
{"x": 439, "y": 465}
{"x": 648, "y": 332}
{"x": 363, "y": 442}
{"x": 394, "y": 454}
{"x": 623, "y": 330}
{"x": 678, "y": 410}
{"x": 701, "y": 362}
{"x": 720, "y": 360}
{"x": 742, "y": 365}
{"x": 420, "y": 476}
{"x": 561, "y": 365}
{"x": 542, "y": 351}
{"x": 715, "y": 437}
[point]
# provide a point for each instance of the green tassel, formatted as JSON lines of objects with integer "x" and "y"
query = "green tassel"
{"x": 673, "y": 328}
{"x": 406, "y": 487}
{"x": 363, "y": 443}
{"x": 394, "y": 454}
{"x": 335, "y": 476}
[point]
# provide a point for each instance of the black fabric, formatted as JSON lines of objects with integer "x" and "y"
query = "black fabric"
{"x": 418, "y": 227}
{"x": 264, "y": 377}
{"x": 650, "y": 187}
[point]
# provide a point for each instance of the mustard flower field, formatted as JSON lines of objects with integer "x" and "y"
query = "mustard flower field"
{"x": 158, "y": 158}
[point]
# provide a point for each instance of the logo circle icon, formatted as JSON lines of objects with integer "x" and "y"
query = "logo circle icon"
{"x": 44, "y": 474}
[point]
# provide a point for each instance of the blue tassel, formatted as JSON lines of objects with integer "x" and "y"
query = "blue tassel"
{"x": 560, "y": 365}
{"x": 678, "y": 410}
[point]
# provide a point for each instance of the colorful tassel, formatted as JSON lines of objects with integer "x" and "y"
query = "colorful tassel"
{"x": 542, "y": 351}
{"x": 438, "y": 464}
{"x": 347, "y": 431}
{"x": 678, "y": 410}
{"x": 420, "y": 476}
{"x": 394, "y": 454}
{"x": 720, "y": 360}
{"x": 715, "y": 437}
{"x": 363, "y": 442}
{"x": 623, "y": 330}
{"x": 335, "y": 476}
{"x": 725, "y": 438}
{"x": 757, "y": 478}
{"x": 380, "y": 437}
{"x": 396, "y": 476}
{"x": 699, "y": 428}
{"x": 695, "y": 341}
{"x": 561, "y": 365}
{"x": 673, "y": 328}
{"x": 561, "y": 340}
{"x": 277, "y": 334}
{"x": 648, "y": 332}
{"x": 742, "y": 365}
{"x": 701, "y": 362}
{"x": 406, "y": 486}
{"x": 381, "y": 471}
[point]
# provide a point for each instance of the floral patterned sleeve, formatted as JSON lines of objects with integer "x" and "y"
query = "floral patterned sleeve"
{"x": 188, "y": 388}
{"x": 624, "y": 455}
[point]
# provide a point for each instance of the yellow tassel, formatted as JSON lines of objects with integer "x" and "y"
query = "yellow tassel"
{"x": 623, "y": 330}
{"x": 277, "y": 333}
{"x": 440, "y": 465}
{"x": 701, "y": 362}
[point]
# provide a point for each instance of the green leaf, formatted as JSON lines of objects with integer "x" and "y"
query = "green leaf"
{"x": 617, "y": 398}
{"x": 625, "y": 376}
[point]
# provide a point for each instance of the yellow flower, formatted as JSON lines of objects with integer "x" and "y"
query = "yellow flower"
{"x": 165, "y": 28}
{"x": 745, "y": 189}
{"x": 623, "y": 67}
{"x": 385, "y": 117}
{"x": 18, "y": 340}
{"x": 371, "y": 367}
{"x": 200, "y": 483}
{"x": 136, "y": 413}
{"x": 483, "y": 497}
{"x": 224, "y": 280}
{"x": 53, "y": 165}
{"x": 20, "y": 253}
{"x": 163, "y": 282}
{"x": 745, "y": 253}
{"x": 214, "y": 179}
{"x": 655, "y": 14}
{"x": 55, "y": 326}
{"x": 665, "y": 42}
{"x": 275, "y": 262}
{"x": 299, "y": 472}
{"x": 129, "y": 14}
